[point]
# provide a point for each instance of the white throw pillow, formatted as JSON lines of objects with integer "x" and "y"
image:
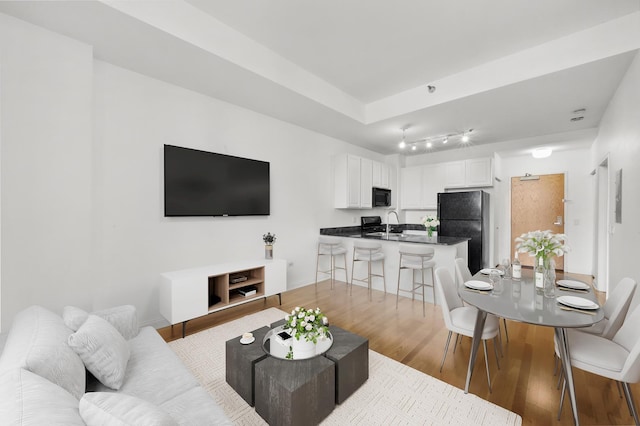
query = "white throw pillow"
{"x": 103, "y": 350}
{"x": 74, "y": 317}
{"x": 27, "y": 399}
{"x": 37, "y": 342}
{"x": 117, "y": 409}
{"x": 123, "y": 318}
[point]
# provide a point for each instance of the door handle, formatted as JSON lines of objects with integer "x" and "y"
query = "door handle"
{"x": 558, "y": 221}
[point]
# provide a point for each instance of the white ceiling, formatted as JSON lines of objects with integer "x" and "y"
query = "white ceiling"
{"x": 357, "y": 70}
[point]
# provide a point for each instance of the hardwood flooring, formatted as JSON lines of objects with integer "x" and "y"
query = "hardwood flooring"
{"x": 524, "y": 384}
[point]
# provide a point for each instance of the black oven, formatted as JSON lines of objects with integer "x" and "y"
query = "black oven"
{"x": 381, "y": 197}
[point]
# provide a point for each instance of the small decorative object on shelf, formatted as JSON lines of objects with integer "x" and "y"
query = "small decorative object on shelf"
{"x": 544, "y": 246}
{"x": 306, "y": 326}
{"x": 431, "y": 223}
{"x": 269, "y": 239}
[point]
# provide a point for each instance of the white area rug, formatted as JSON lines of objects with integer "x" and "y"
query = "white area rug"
{"x": 394, "y": 394}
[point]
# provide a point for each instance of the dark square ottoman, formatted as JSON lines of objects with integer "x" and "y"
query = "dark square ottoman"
{"x": 294, "y": 392}
{"x": 350, "y": 353}
{"x": 240, "y": 364}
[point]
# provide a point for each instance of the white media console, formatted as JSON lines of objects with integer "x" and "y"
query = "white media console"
{"x": 195, "y": 292}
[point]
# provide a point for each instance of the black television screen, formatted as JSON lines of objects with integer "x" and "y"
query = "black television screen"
{"x": 200, "y": 183}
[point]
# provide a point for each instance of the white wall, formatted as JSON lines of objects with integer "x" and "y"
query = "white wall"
{"x": 82, "y": 180}
{"x": 619, "y": 137}
{"x": 46, "y": 168}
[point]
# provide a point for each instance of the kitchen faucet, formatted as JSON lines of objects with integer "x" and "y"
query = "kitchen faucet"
{"x": 397, "y": 220}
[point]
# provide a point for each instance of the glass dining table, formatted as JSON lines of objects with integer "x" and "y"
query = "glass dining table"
{"x": 520, "y": 301}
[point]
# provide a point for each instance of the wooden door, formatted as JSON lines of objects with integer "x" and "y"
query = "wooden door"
{"x": 537, "y": 203}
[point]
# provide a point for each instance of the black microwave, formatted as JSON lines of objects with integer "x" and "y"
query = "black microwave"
{"x": 381, "y": 197}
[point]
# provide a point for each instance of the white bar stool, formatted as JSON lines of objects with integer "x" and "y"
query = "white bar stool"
{"x": 416, "y": 257}
{"x": 332, "y": 247}
{"x": 370, "y": 252}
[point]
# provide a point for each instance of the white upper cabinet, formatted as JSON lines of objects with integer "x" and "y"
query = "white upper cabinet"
{"x": 380, "y": 175}
{"x": 366, "y": 196}
{"x": 477, "y": 172}
{"x": 411, "y": 188}
{"x": 455, "y": 174}
{"x": 433, "y": 177}
{"x": 353, "y": 180}
{"x": 420, "y": 185}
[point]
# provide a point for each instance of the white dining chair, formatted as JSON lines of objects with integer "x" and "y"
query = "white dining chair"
{"x": 615, "y": 309}
{"x": 463, "y": 274}
{"x": 617, "y": 359}
{"x": 461, "y": 319}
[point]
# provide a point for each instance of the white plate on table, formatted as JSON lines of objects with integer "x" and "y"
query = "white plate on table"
{"x": 487, "y": 271}
{"x": 576, "y": 285}
{"x": 478, "y": 285}
{"x": 247, "y": 341}
{"x": 577, "y": 302}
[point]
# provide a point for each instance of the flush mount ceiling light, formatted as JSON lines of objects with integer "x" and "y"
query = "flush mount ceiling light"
{"x": 429, "y": 141}
{"x": 541, "y": 152}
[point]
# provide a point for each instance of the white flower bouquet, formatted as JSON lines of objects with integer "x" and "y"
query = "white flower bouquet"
{"x": 542, "y": 244}
{"x": 430, "y": 222}
{"x": 308, "y": 323}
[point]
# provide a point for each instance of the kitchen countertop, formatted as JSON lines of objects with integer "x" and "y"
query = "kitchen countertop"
{"x": 397, "y": 233}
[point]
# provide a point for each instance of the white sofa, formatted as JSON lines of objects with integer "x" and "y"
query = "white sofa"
{"x": 96, "y": 369}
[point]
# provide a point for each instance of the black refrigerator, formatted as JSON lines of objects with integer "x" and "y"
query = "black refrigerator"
{"x": 466, "y": 214}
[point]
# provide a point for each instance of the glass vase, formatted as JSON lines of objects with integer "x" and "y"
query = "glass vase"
{"x": 268, "y": 251}
{"x": 550, "y": 279}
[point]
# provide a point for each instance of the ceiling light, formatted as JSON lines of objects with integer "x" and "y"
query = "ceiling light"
{"x": 429, "y": 144}
{"x": 465, "y": 138}
{"x": 413, "y": 148}
{"x": 431, "y": 88}
{"x": 541, "y": 152}
{"x": 445, "y": 140}
{"x": 578, "y": 118}
{"x": 402, "y": 143}
{"x": 579, "y": 111}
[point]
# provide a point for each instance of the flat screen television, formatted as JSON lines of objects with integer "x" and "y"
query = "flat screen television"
{"x": 200, "y": 183}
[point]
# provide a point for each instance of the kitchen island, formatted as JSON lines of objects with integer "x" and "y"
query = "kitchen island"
{"x": 447, "y": 249}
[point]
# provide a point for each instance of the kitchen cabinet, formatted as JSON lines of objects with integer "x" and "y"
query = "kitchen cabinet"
{"x": 477, "y": 172}
{"x": 420, "y": 186}
{"x": 380, "y": 175}
{"x": 433, "y": 178}
{"x": 352, "y": 182}
{"x": 411, "y": 188}
{"x": 366, "y": 183}
{"x": 353, "y": 179}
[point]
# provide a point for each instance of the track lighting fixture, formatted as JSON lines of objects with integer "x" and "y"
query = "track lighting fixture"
{"x": 429, "y": 141}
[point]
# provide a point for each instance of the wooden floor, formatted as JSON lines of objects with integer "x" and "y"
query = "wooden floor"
{"x": 525, "y": 383}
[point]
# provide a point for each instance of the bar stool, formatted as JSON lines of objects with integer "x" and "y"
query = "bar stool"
{"x": 416, "y": 257}
{"x": 332, "y": 247}
{"x": 370, "y": 252}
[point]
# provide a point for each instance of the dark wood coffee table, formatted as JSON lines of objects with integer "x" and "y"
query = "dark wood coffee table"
{"x": 305, "y": 391}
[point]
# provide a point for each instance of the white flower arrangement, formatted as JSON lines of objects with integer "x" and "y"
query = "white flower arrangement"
{"x": 309, "y": 324}
{"x": 544, "y": 244}
{"x": 430, "y": 222}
